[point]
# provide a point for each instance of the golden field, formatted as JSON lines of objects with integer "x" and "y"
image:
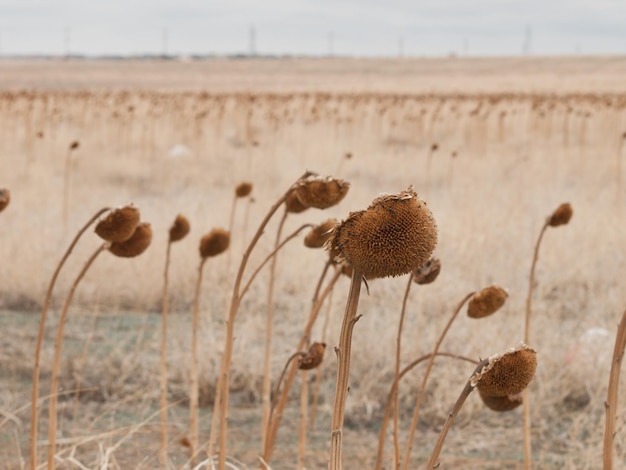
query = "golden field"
{"x": 492, "y": 145}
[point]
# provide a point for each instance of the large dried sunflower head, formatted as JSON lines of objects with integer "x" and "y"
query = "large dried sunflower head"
{"x": 214, "y": 242}
{"x": 508, "y": 373}
{"x": 119, "y": 225}
{"x": 395, "y": 235}
{"x": 136, "y": 244}
{"x": 486, "y": 302}
{"x": 321, "y": 193}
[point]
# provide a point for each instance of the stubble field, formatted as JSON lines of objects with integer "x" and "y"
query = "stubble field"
{"x": 492, "y": 145}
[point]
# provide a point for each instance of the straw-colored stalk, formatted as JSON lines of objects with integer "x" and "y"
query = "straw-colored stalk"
{"x": 611, "y": 400}
{"x": 304, "y": 404}
{"x": 40, "y": 335}
{"x": 177, "y": 232}
{"x": 393, "y": 393}
{"x": 500, "y": 375}
{"x": 312, "y": 360}
{"x": 193, "y": 369}
{"x": 224, "y": 375}
{"x": 243, "y": 292}
{"x": 281, "y": 401}
{"x": 134, "y": 246}
{"x": 269, "y": 323}
{"x": 395, "y": 235}
{"x": 242, "y": 190}
{"x": 420, "y": 392}
{"x": 424, "y": 275}
{"x": 56, "y": 365}
{"x": 212, "y": 244}
{"x": 561, "y": 216}
{"x": 318, "y": 371}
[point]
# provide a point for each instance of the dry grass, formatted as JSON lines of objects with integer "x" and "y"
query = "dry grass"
{"x": 522, "y": 146}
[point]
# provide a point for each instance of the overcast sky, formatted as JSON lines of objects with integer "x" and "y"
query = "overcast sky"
{"x": 309, "y": 27}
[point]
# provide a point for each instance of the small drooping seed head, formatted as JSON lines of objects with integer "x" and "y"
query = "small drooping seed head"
{"x": 5, "y": 198}
{"x": 74, "y": 145}
{"x": 313, "y": 357}
{"x": 319, "y": 234}
{"x": 119, "y": 225}
{"x": 434, "y": 147}
{"x": 508, "y": 373}
{"x": 501, "y": 404}
{"x": 179, "y": 229}
{"x": 136, "y": 244}
{"x": 428, "y": 272}
{"x": 486, "y": 302}
{"x": 214, "y": 242}
{"x": 561, "y": 216}
{"x": 293, "y": 204}
{"x": 321, "y": 193}
{"x": 395, "y": 235}
{"x": 243, "y": 189}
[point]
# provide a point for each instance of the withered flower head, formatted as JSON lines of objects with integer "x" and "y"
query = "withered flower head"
{"x": 293, "y": 204}
{"x": 313, "y": 357}
{"x": 321, "y": 193}
{"x": 119, "y": 225}
{"x": 486, "y": 302}
{"x": 74, "y": 145}
{"x": 243, "y": 189}
{"x": 561, "y": 216}
{"x": 508, "y": 373}
{"x": 501, "y": 404}
{"x": 320, "y": 234}
{"x": 136, "y": 244}
{"x": 214, "y": 242}
{"x": 428, "y": 272}
{"x": 5, "y": 198}
{"x": 395, "y": 235}
{"x": 179, "y": 229}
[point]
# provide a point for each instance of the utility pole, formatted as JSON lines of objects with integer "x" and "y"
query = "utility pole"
{"x": 527, "y": 40}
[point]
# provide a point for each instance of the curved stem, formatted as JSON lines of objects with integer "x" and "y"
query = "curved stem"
{"x": 40, "y": 334}
{"x": 56, "y": 365}
{"x": 304, "y": 404}
{"x": 269, "y": 321}
{"x": 280, "y": 381}
{"x": 269, "y": 257}
{"x": 224, "y": 378}
{"x": 396, "y": 440}
{"x": 526, "y": 392}
{"x": 193, "y": 370}
{"x": 343, "y": 353}
{"x": 393, "y": 391}
{"x": 304, "y": 340}
{"x": 420, "y": 392}
{"x": 318, "y": 370}
{"x": 611, "y": 400}
{"x": 432, "y": 462}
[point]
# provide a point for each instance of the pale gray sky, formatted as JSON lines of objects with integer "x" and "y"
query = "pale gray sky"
{"x": 363, "y": 28}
